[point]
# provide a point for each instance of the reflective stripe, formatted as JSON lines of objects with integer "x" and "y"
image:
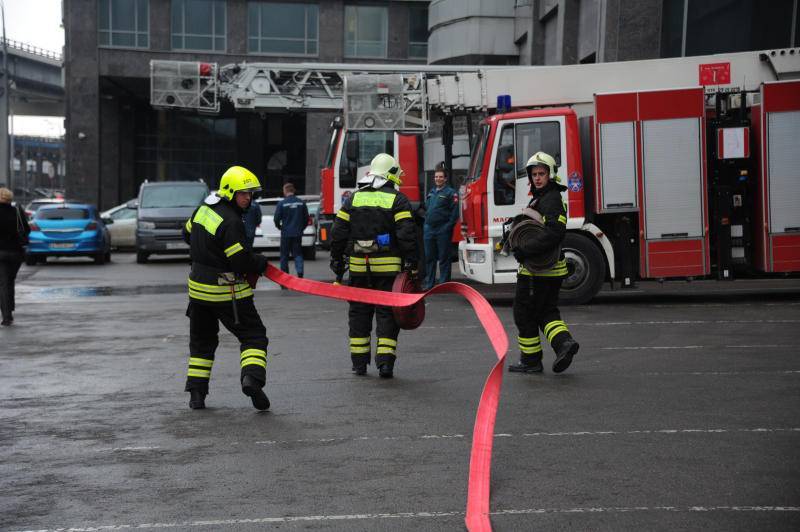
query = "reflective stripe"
{"x": 384, "y": 260}
{"x": 203, "y": 296}
{"x": 359, "y": 349}
{"x": 202, "y": 373}
{"x": 252, "y": 361}
{"x": 188, "y": 225}
{"x": 354, "y": 268}
{"x": 554, "y": 328}
{"x": 215, "y": 288}
{"x": 528, "y": 341}
{"x": 254, "y": 357}
{"x": 343, "y": 215}
{"x": 376, "y": 264}
{"x": 556, "y": 331}
{"x": 562, "y": 219}
{"x": 384, "y": 350}
{"x": 358, "y": 260}
{"x": 387, "y": 268}
{"x": 559, "y": 270}
{"x": 204, "y": 362}
{"x": 208, "y": 219}
{"x": 254, "y": 353}
{"x": 401, "y": 215}
{"x": 387, "y": 341}
{"x": 373, "y": 198}
{"x": 359, "y": 340}
{"x": 530, "y": 350}
{"x": 233, "y": 249}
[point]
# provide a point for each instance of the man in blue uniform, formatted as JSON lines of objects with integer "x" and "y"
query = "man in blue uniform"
{"x": 291, "y": 217}
{"x": 441, "y": 213}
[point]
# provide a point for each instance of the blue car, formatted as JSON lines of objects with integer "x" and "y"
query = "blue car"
{"x": 68, "y": 229}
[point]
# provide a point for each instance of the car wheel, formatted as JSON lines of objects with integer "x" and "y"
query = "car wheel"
{"x": 108, "y": 256}
{"x": 310, "y": 253}
{"x": 30, "y": 260}
{"x": 100, "y": 258}
{"x": 141, "y": 257}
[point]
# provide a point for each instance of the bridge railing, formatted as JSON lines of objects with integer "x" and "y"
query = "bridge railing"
{"x": 31, "y": 49}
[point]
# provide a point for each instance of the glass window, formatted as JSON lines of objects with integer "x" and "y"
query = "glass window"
{"x": 124, "y": 214}
{"x": 198, "y": 25}
{"x": 365, "y": 31}
{"x": 285, "y": 29}
{"x": 418, "y": 32}
{"x": 505, "y": 180}
{"x": 517, "y": 144}
{"x": 360, "y": 148}
{"x": 478, "y": 152}
{"x": 62, "y": 214}
{"x": 123, "y": 23}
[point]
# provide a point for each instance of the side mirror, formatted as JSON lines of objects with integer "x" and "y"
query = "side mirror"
{"x": 132, "y": 204}
{"x": 351, "y": 148}
{"x": 106, "y": 220}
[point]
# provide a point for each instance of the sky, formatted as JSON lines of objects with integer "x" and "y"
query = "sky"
{"x": 35, "y": 22}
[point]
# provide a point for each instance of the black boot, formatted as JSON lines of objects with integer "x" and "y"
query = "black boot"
{"x": 360, "y": 369}
{"x": 197, "y": 399}
{"x": 527, "y": 366}
{"x": 254, "y": 389}
{"x": 386, "y": 370}
{"x": 565, "y": 354}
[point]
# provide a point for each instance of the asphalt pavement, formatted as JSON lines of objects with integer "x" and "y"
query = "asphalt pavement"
{"x": 680, "y": 412}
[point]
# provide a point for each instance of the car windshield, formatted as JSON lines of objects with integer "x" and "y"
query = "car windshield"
{"x": 313, "y": 207}
{"x": 62, "y": 214}
{"x": 161, "y": 197}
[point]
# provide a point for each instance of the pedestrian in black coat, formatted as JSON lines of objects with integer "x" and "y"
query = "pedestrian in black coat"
{"x": 14, "y": 232}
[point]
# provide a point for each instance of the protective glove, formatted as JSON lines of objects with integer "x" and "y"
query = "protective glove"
{"x": 337, "y": 266}
{"x": 520, "y": 255}
{"x": 410, "y": 266}
{"x": 252, "y": 279}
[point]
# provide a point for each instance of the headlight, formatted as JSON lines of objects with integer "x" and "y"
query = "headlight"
{"x": 476, "y": 256}
{"x": 146, "y": 225}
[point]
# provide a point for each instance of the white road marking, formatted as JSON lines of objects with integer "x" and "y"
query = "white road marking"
{"x": 206, "y": 523}
{"x": 644, "y": 347}
{"x": 126, "y": 449}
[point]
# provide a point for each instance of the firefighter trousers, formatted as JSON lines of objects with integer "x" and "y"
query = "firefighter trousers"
{"x": 535, "y": 308}
{"x": 204, "y": 320}
{"x": 360, "y": 321}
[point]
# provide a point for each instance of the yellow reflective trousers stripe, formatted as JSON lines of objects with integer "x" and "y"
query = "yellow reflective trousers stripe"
{"x": 559, "y": 270}
{"x": 200, "y": 367}
{"x": 254, "y": 357}
{"x": 233, "y": 249}
{"x": 554, "y": 328}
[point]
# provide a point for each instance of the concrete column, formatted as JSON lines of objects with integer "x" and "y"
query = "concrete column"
{"x": 109, "y": 152}
{"x": 160, "y": 25}
{"x": 317, "y": 137}
{"x": 331, "y": 31}
{"x": 237, "y": 27}
{"x": 5, "y": 157}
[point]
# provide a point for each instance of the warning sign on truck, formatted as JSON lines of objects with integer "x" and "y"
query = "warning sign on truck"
{"x": 715, "y": 74}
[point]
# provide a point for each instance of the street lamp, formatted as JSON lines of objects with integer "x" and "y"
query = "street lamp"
{"x": 7, "y": 97}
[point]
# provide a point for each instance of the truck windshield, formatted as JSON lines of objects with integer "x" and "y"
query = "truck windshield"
{"x": 165, "y": 196}
{"x": 360, "y": 148}
{"x": 477, "y": 155}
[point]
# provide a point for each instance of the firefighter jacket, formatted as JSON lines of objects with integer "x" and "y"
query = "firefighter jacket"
{"x": 375, "y": 229}
{"x": 220, "y": 259}
{"x": 547, "y": 201}
{"x": 441, "y": 209}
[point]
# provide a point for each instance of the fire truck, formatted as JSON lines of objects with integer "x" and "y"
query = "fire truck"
{"x": 675, "y": 168}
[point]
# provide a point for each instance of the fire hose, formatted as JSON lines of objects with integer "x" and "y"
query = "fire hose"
{"x": 477, "y": 513}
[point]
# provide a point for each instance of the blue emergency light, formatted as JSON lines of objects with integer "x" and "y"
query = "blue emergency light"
{"x": 503, "y": 103}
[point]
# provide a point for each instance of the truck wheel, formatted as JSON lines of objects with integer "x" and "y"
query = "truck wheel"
{"x": 141, "y": 257}
{"x": 586, "y": 270}
{"x": 310, "y": 253}
{"x": 30, "y": 260}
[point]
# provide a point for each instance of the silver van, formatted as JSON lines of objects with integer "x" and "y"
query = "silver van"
{"x": 163, "y": 208}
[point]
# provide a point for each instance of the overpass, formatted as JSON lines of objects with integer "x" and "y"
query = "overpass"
{"x": 31, "y": 84}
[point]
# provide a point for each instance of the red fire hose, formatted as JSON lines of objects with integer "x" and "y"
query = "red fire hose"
{"x": 480, "y": 464}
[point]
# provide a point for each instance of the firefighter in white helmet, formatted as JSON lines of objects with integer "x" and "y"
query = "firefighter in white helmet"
{"x": 375, "y": 230}
{"x": 536, "y": 298}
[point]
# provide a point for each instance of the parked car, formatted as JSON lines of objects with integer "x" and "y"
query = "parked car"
{"x": 268, "y": 237}
{"x": 123, "y": 230}
{"x": 33, "y": 206}
{"x": 164, "y": 207}
{"x": 68, "y": 229}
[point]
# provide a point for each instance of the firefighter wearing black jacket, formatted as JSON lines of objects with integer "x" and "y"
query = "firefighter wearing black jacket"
{"x": 536, "y": 298}
{"x": 219, "y": 291}
{"x": 375, "y": 229}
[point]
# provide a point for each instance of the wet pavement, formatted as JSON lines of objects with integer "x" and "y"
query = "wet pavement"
{"x": 681, "y": 411}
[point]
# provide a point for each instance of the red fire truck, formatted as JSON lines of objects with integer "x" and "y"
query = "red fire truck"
{"x": 675, "y": 168}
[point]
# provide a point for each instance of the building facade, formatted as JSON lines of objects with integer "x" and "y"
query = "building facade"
{"x": 556, "y": 32}
{"x": 115, "y": 139}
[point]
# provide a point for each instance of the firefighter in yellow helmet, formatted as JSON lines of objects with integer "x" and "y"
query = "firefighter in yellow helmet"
{"x": 375, "y": 230}
{"x": 536, "y": 298}
{"x": 219, "y": 290}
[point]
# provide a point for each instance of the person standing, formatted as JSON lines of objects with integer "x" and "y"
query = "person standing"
{"x": 251, "y": 219}
{"x": 441, "y": 213}
{"x": 375, "y": 229}
{"x": 291, "y": 217}
{"x": 536, "y": 297}
{"x": 219, "y": 291}
{"x": 14, "y": 232}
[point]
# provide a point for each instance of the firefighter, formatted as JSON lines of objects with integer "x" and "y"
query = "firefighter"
{"x": 219, "y": 290}
{"x": 375, "y": 229}
{"x": 536, "y": 298}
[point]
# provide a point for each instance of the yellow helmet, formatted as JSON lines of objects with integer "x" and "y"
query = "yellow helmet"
{"x": 541, "y": 158}
{"x": 237, "y": 179}
{"x": 384, "y": 165}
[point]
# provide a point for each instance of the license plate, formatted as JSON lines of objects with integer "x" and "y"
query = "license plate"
{"x": 62, "y": 245}
{"x": 177, "y": 245}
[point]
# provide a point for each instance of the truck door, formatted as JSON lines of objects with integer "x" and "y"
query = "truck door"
{"x": 508, "y": 190}
{"x": 778, "y": 241}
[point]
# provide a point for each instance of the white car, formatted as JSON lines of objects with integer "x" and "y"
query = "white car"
{"x": 123, "y": 230}
{"x": 268, "y": 237}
